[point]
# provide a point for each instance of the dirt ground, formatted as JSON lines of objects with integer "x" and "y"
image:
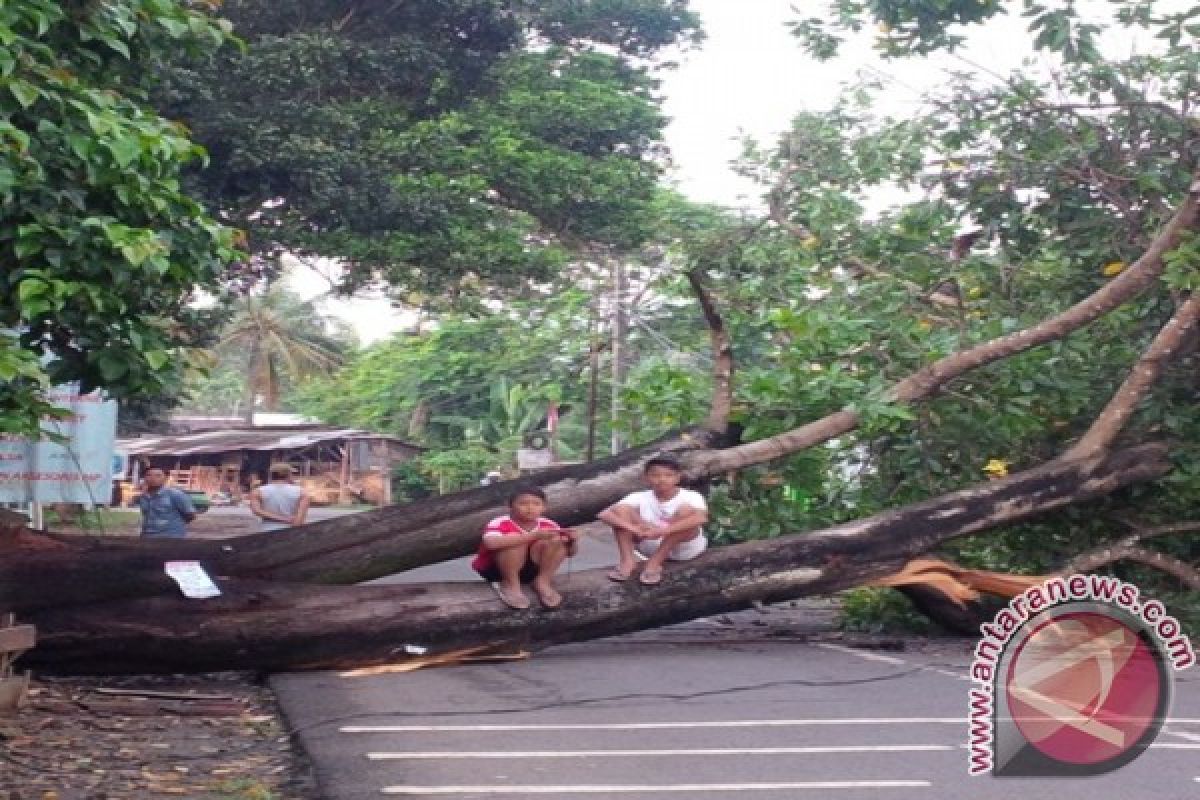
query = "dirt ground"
{"x": 205, "y": 737}
{"x": 127, "y": 523}
{"x": 209, "y": 737}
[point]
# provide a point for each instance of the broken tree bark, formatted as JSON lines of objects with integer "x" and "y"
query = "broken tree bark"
{"x": 272, "y": 626}
{"x": 960, "y": 599}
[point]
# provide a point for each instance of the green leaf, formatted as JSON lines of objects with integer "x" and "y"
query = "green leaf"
{"x": 25, "y": 93}
{"x": 157, "y": 359}
{"x": 31, "y": 290}
{"x": 119, "y": 46}
{"x": 125, "y": 150}
{"x": 100, "y": 125}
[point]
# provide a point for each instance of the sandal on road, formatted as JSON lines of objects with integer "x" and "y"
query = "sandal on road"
{"x": 650, "y": 577}
{"x": 619, "y": 576}
{"x": 513, "y": 598}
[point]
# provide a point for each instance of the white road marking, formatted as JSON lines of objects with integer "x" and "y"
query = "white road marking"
{"x": 869, "y": 656}
{"x": 730, "y": 751}
{"x": 1191, "y": 737}
{"x": 863, "y": 654}
{"x": 658, "y": 726}
{"x": 643, "y": 788}
{"x": 1175, "y": 746}
{"x": 654, "y": 726}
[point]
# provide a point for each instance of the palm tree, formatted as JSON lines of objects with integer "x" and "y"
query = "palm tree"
{"x": 276, "y": 336}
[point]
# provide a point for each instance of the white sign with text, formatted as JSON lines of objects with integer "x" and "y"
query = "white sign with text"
{"x": 77, "y": 469}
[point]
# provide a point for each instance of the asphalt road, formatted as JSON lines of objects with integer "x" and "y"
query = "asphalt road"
{"x": 771, "y": 706}
{"x": 641, "y": 719}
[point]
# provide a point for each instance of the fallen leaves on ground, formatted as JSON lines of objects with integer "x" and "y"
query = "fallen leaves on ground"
{"x": 74, "y": 743}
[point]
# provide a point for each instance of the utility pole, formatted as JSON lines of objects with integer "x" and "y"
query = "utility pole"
{"x": 593, "y": 382}
{"x": 618, "y": 339}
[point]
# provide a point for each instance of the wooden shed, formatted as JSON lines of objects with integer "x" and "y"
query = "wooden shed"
{"x": 335, "y": 465}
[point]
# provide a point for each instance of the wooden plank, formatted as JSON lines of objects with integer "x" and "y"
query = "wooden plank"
{"x": 17, "y": 639}
{"x": 13, "y": 692}
{"x": 160, "y": 694}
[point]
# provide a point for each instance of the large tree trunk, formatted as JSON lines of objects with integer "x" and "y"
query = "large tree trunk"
{"x": 272, "y": 626}
{"x": 72, "y": 570}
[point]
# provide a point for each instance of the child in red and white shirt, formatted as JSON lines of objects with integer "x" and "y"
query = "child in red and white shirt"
{"x": 524, "y": 547}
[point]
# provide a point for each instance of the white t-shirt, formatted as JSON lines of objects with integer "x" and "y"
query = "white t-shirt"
{"x": 658, "y": 512}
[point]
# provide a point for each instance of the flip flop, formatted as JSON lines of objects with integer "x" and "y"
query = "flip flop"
{"x": 515, "y": 600}
{"x": 650, "y": 577}
{"x": 549, "y": 601}
{"x": 618, "y": 576}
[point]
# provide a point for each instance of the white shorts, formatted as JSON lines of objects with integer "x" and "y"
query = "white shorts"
{"x": 684, "y": 551}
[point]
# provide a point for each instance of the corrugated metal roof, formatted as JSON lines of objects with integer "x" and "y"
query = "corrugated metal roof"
{"x": 221, "y": 441}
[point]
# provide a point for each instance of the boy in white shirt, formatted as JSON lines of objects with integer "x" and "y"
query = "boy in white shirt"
{"x": 660, "y": 523}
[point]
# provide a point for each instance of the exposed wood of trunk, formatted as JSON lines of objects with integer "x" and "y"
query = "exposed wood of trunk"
{"x": 960, "y": 599}
{"x": 276, "y": 626}
{"x": 1145, "y": 373}
{"x": 722, "y": 348}
{"x": 928, "y": 380}
{"x": 67, "y": 570}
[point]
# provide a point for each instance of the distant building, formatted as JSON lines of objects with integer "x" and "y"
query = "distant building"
{"x": 334, "y": 465}
{"x": 191, "y": 423}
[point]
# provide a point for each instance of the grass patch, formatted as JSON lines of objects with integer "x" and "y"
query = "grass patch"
{"x": 97, "y": 520}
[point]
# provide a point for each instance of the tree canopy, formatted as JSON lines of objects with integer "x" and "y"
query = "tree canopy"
{"x": 1014, "y": 200}
{"x": 101, "y": 245}
{"x": 443, "y": 148}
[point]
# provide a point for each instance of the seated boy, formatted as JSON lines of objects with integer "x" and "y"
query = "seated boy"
{"x": 660, "y": 523}
{"x": 524, "y": 547}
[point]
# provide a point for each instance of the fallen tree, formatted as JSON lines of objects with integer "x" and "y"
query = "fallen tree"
{"x": 382, "y": 542}
{"x": 277, "y": 626}
{"x": 105, "y": 604}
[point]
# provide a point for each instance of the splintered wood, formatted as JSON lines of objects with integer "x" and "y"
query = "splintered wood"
{"x": 959, "y": 584}
{"x": 470, "y": 655}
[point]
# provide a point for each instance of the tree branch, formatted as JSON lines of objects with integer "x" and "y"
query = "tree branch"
{"x": 777, "y": 199}
{"x": 722, "y": 393}
{"x": 930, "y": 379}
{"x": 1128, "y": 549}
{"x": 1145, "y": 373}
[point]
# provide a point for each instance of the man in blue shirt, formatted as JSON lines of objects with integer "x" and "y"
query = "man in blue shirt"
{"x": 166, "y": 511}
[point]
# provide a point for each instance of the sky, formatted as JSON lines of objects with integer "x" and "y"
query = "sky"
{"x": 749, "y": 78}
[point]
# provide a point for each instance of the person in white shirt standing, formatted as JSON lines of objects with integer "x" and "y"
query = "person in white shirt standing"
{"x": 280, "y": 503}
{"x": 663, "y": 522}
